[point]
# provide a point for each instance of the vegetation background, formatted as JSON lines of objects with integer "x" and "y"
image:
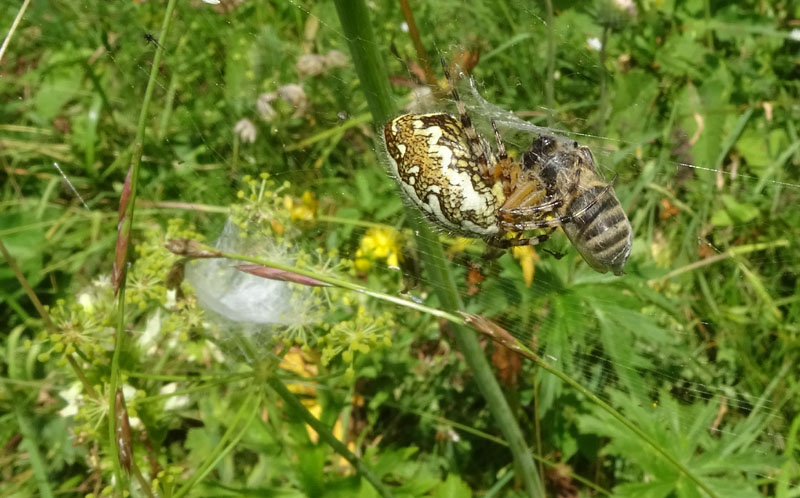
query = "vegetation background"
{"x": 257, "y": 129}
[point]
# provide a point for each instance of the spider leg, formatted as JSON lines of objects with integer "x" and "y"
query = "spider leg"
{"x": 554, "y": 222}
{"x": 530, "y": 210}
{"x": 500, "y": 167}
{"x": 476, "y": 144}
{"x": 501, "y": 148}
{"x": 528, "y": 241}
{"x": 524, "y": 210}
{"x": 521, "y": 226}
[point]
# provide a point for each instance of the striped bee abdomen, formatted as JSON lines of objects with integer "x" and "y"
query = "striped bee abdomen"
{"x": 602, "y": 234}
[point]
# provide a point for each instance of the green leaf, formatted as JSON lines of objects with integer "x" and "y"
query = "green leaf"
{"x": 453, "y": 487}
{"x": 561, "y": 332}
{"x": 740, "y": 212}
{"x": 366, "y": 197}
{"x": 753, "y": 148}
{"x": 683, "y": 431}
{"x": 682, "y": 55}
{"x": 25, "y": 245}
{"x": 655, "y": 489}
{"x": 311, "y": 462}
{"x": 59, "y": 85}
{"x": 634, "y": 94}
{"x": 721, "y": 218}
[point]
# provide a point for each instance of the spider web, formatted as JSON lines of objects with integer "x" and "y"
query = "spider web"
{"x": 575, "y": 320}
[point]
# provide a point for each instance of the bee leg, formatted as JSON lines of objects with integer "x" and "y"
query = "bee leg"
{"x": 555, "y": 254}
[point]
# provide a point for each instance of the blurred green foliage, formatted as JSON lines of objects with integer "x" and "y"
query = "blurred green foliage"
{"x": 693, "y": 104}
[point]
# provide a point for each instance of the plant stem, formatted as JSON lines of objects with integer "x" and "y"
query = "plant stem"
{"x": 730, "y": 253}
{"x": 325, "y": 434}
{"x": 413, "y": 32}
{"x": 549, "y": 81}
{"x": 603, "y": 106}
{"x": 357, "y": 27}
{"x": 225, "y": 445}
{"x": 126, "y": 231}
{"x": 13, "y": 27}
{"x": 338, "y": 282}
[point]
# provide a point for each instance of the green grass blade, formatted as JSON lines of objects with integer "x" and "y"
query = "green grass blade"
{"x": 357, "y": 27}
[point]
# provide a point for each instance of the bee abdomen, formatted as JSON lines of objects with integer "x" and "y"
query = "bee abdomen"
{"x": 602, "y": 234}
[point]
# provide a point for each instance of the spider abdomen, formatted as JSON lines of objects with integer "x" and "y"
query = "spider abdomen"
{"x": 442, "y": 173}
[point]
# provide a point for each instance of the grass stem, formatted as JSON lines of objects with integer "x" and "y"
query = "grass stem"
{"x": 13, "y": 28}
{"x": 357, "y": 27}
{"x": 550, "y": 77}
{"x": 730, "y": 253}
{"x": 125, "y": 232}
{"x": 326, "y": 435}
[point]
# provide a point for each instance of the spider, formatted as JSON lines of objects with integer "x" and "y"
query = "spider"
{"x": 150, "y": 38}
{"x": 449, "y": 171}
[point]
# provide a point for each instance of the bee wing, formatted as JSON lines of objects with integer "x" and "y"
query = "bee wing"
{"x": 588, "y": 157}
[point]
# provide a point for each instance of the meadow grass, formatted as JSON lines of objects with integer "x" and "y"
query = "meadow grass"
{"x": 693, "y": 106}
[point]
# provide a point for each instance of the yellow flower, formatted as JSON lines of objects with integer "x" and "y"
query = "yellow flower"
{"x": 303, "y": 210}
{"x": 458, "y": 246}
{"x": 527, "y": 257}
{"x": 361, "y": 263}
{"x": 303, "y": 366}
{"x": 378, "y": 244}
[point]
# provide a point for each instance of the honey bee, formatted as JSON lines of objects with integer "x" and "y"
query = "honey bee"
{"x": 598, "y": 228}
{"x": 448, "y": 171}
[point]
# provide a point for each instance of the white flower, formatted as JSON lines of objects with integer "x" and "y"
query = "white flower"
{"x": 626, "y": 5}
{"x": 594, "y": 44}
{"x": 422, "y": 99}
{"x": 86, "y": 301}
{"x": 172, "y": 299}
{"x": 795, "y": 34}
{"x": 316, "y": 64}
{"x": 174, "y": 402}
{"x": 453, "y": 435}
{"x": 148, "y": 339}
{"x": 310, "y": 65}
{"x": 215, "y": 351}
{"x": 404, "y": 27}
{"x": 335, "y": 58}
{"x": 265, "y": 109}
{"x": 246, "y": 130}
{"x": 74, "y": 399}
{"x": 293, "y": 94}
